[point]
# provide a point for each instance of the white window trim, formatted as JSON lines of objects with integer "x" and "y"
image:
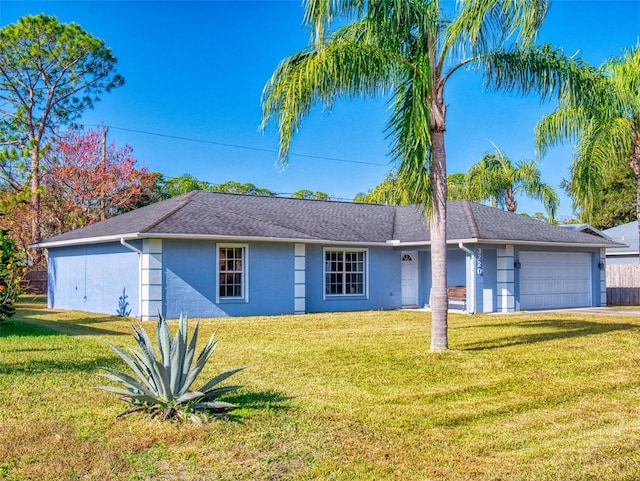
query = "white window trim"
{"x": 245, "y": 274}
{"x": 326, "y": 296}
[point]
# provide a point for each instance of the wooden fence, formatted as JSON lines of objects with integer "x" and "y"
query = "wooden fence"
{"x": 35, "y": 282}
{"x": 623, "y": 284}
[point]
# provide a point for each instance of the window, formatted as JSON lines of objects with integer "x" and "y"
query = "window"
{"x": 232, "y": 265}
{"x": 345, "y": 272}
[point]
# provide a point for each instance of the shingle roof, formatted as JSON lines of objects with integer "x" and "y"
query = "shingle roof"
{"x": 218, "y": 215}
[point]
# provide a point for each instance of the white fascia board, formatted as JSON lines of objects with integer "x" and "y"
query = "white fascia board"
{"x": 506, "y": 241}
{"x": 428, "y": 243}
{"x": 134, "y": 236}
{"x": 544, "y": 243}
{"x": 86, "y": 240}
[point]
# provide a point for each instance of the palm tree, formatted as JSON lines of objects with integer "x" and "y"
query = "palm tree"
{"x": 409, "y": 49}
{"x": 497, "y": 179}
{"x": 604, "y": 118}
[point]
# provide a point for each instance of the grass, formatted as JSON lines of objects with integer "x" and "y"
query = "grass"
{"x": 354, "y": 396}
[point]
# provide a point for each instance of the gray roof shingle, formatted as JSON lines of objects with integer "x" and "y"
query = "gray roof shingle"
{"x": 218, "y": 215}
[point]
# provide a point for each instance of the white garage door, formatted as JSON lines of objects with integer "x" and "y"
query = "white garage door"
{"x": 551, "y": 280}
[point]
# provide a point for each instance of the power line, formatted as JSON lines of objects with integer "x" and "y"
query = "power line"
{"x": 237, "y": 146}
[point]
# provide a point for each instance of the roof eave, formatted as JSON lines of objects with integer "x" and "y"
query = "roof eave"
{"x": 139, "y": 235}
{"x": 394, "y": 243}
{"x": 85, "y": 240}
{"x": 549, "y": 243}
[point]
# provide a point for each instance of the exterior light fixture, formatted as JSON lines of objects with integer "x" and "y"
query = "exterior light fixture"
{"x": 517, "y": 265}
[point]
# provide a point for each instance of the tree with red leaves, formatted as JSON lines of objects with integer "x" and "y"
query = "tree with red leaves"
{"x": 88, "y": 180}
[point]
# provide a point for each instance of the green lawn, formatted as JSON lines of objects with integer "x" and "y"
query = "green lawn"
{"x": 353, "y": 396}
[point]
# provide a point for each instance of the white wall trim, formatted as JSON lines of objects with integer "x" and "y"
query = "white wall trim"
{"x": 151, "y": 287}
{"x": 505, "y": 280}
{"x": 299, "y": 279}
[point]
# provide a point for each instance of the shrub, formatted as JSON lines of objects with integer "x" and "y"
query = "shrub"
{"x": 11, "y": 271}
{"x": 161, "y": 384}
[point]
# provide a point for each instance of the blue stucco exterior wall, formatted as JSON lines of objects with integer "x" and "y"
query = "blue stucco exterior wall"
{"x": 384, "y": 282}
{"x": 456, "y": 271}
{"x": 92, "y": 278}
{"x": 189, "y": 279}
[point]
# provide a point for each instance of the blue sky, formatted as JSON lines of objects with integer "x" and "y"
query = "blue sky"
{"x": 195, "y": 70}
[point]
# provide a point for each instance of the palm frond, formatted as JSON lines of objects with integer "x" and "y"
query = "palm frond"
{"x": 481, "y": 26}
{"x": 338, "y": 68}
{"x": 544, "y": 71}
{"x": 559, "y": 127}
{"x": 409, "y": 130}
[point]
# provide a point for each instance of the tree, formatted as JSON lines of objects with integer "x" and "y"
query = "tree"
{"x": 618, "y": 198}
{"x": 11, "y": 271}
{"x": 309, "y": 194}
{"x": 87, "y": 181}
{"x": 184, "y": 183}
{"x": 387, "y": 192}
{"x": 174, "y": 186}
{"x": 457, "y": 187}
{"x": 602, "y": 114}
{"x": 496, "y": 179}
{"x": 410, "y": 49}
{"x": 50, "y": 73}
{"x": 390, "y": 192}
{"x": 233, "y": 187}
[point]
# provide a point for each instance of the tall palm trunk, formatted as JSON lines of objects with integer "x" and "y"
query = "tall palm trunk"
{"x": 510, "y": 201}
{"x": 438, "y": 178}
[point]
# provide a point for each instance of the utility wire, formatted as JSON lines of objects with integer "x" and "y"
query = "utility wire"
{"x": 236, "y": 146}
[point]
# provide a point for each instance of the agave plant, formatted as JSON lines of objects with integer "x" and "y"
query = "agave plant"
{"x": 161, "y": 383}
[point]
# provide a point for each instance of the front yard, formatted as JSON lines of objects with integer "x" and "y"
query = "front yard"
{"x": 353, "y": 396}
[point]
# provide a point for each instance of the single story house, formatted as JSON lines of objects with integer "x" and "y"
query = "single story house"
{"x": 624, "y": 234}
{"x": 212, "y": 254}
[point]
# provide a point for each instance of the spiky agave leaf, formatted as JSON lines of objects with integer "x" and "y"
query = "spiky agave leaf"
{"x": 163, "y": 335}
{"x": 188, "y": 359}
{"x": 153, "y": 374}
{"x": 177, "y": 355}
{"x": 144, "y": 342}
{"x": 214, "y": 393}
{"x": 128, "y": 381}
{"x": 128, "y": 394}
{"x": 219, "y": 378}
{"x": 190, "y": 396}
{"x": 147, "y": 355}
{"x": 214, "y": 405}
{"x": 131, "y": 362}
{"x": 202, "y": 359}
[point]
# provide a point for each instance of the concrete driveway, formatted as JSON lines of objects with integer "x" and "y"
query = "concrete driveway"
{"x": 602, "y": 311}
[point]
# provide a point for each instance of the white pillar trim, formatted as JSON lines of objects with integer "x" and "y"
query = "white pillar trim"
{"x": 505, "y": 280}
{"x": 299, "y": 279}
{"x": 151, "y": 279}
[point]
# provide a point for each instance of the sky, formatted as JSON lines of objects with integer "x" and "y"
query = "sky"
{"x": 194, "y": 74}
